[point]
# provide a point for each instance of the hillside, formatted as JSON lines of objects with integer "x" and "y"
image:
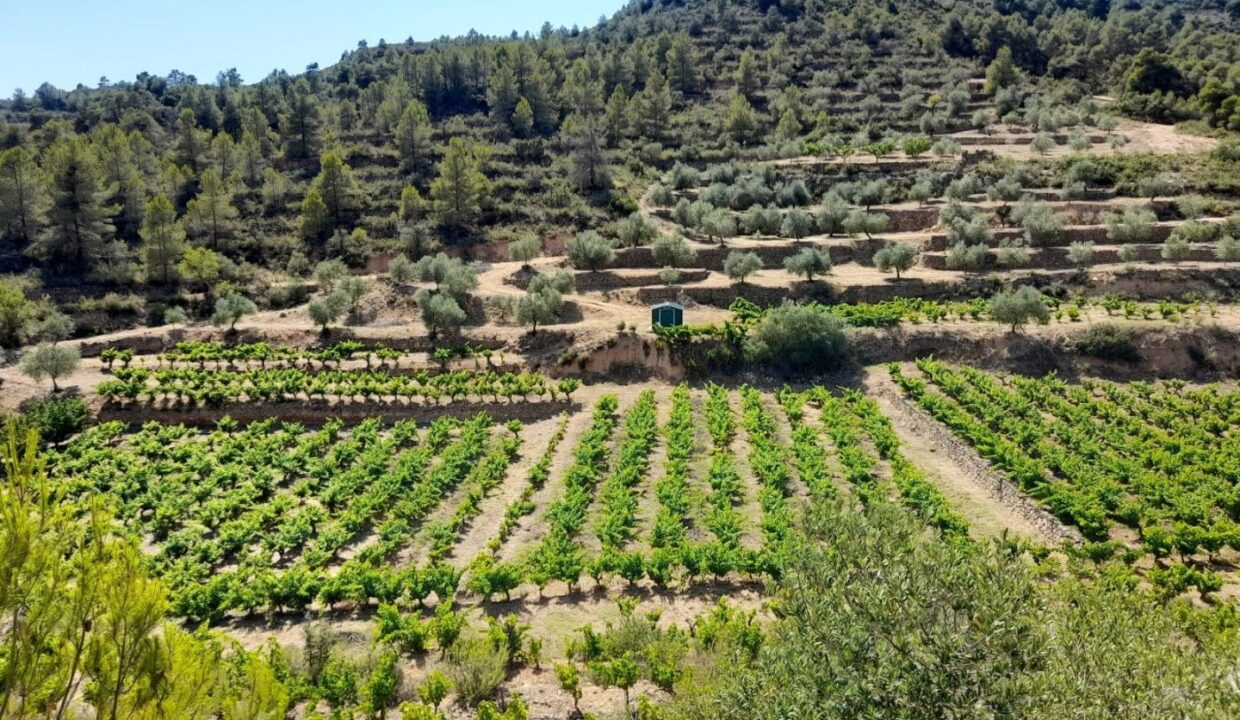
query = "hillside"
{"x": 353, "y": 373}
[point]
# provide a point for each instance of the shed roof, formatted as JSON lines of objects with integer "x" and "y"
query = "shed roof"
{"x": 667, "y": 304}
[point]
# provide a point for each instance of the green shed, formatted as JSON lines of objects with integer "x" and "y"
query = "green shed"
{"x": 667, "y": 314}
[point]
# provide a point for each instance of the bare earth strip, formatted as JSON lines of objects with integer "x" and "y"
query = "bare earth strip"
{"x": 989, "y": 502}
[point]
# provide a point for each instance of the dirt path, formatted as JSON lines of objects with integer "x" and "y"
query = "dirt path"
{"x": 989, "y": 503}
{"x": 484, "y": 526}
{"x": 749, "y": 508}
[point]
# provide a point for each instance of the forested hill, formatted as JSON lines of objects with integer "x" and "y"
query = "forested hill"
{"x": 405, "y": 145}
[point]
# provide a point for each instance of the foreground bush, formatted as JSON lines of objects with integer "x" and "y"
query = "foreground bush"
{"x": 798, "y": 338}
{"x": 57, "y": 418}
{"x": 1107, "y": 341}
{"x": 882, "y": 620}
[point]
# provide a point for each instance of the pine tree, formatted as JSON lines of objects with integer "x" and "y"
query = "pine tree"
{"x": 741, "y": 122}
{"x": 682, "y": 63}
{"x": 747, "y": 82}
{"x": 315, "y": 218}
{"x": 336, "y": 185}
{"x": 589, "y": 160}
{"x": 191, "y": 141}
{"x": 1001, "y": 72}
{"x": 460, "y": 185}
{"x": 616, "y": 118}
{"x": 503, "y": 93}
{"x": 523, "y": 119}
{"x": 300, "y": 126}
{"x": 79, "y": 219}
{"x": 23, "y": 201}
{"x": 120, "y": 174}
{"x": 251, "y": 159}
{"x": 652, "y": 108}
{"x": 163, "y": 240}
{"x": 211, "y": 215}
{"x": 413, "y": 135}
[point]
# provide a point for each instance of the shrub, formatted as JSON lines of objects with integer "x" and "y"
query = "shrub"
{"x": 669, "y": 275}
{"x": 1107, "y": 341}
{"x": 475, "y": 669}
{"x": 57, "y": 418}
{"x": 1015, "y": 308}
{"x": 524, "y": 249}
{"x": 798, "y": 338}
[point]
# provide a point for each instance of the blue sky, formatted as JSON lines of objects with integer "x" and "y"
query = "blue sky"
{"x": 67, "y": 42}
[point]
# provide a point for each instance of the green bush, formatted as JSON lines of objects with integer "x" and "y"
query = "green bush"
{"x": 57, "y": 418}
{"x": 1107, "y": 341}
{"x": 798, "y": 338}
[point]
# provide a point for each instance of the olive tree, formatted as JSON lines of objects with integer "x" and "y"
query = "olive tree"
{"x": 440, "y": 311}
{"x": 1133, "y": 225}
{"x": 1018, "y": 307}
{"x": 861, "y": 222}
{"x": 231, "y": 308}
{"x": 797, "y": 224}
{"x": 589, "y": 251}
{"x": 896, "y": 256}
{"x": 330, "y": 272}
{"x": 1227, "y": 249}
{"x": 740, "y": 265}
{"x": 636, "y": 230}
{"x": 1042, "y": 226}
{"x": 1081, "y": 253}
{"x": 1160, "y": 185}
{"x": 401, "y": 270}
{"x": 51, "y": 361}
{"x": 524, "y": 250}
{"x": 672, "y": 251}
{"x": 963, "y": 256}
{"x": 719, "y": 224}
{"x": 328, "y": 310}
{"x": 808, "y": 262}
{"x": 833, "y": 214}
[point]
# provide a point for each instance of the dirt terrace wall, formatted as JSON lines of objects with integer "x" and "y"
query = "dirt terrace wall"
{"x": 314, "y": 412}
{"x": 1058, "y": 257}
{"x": 1060, "y": 138}
{"x": 1204, "y": 352}
{"x": 712, "y": 258}
{"x": 157, "y": 340}
{"x": 1096, "y": 234}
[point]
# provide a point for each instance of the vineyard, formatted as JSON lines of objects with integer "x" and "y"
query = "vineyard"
{"x": 217, "y": 387}
{"x": 275, "y": 517}
{"x": 1141, "y": 469}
